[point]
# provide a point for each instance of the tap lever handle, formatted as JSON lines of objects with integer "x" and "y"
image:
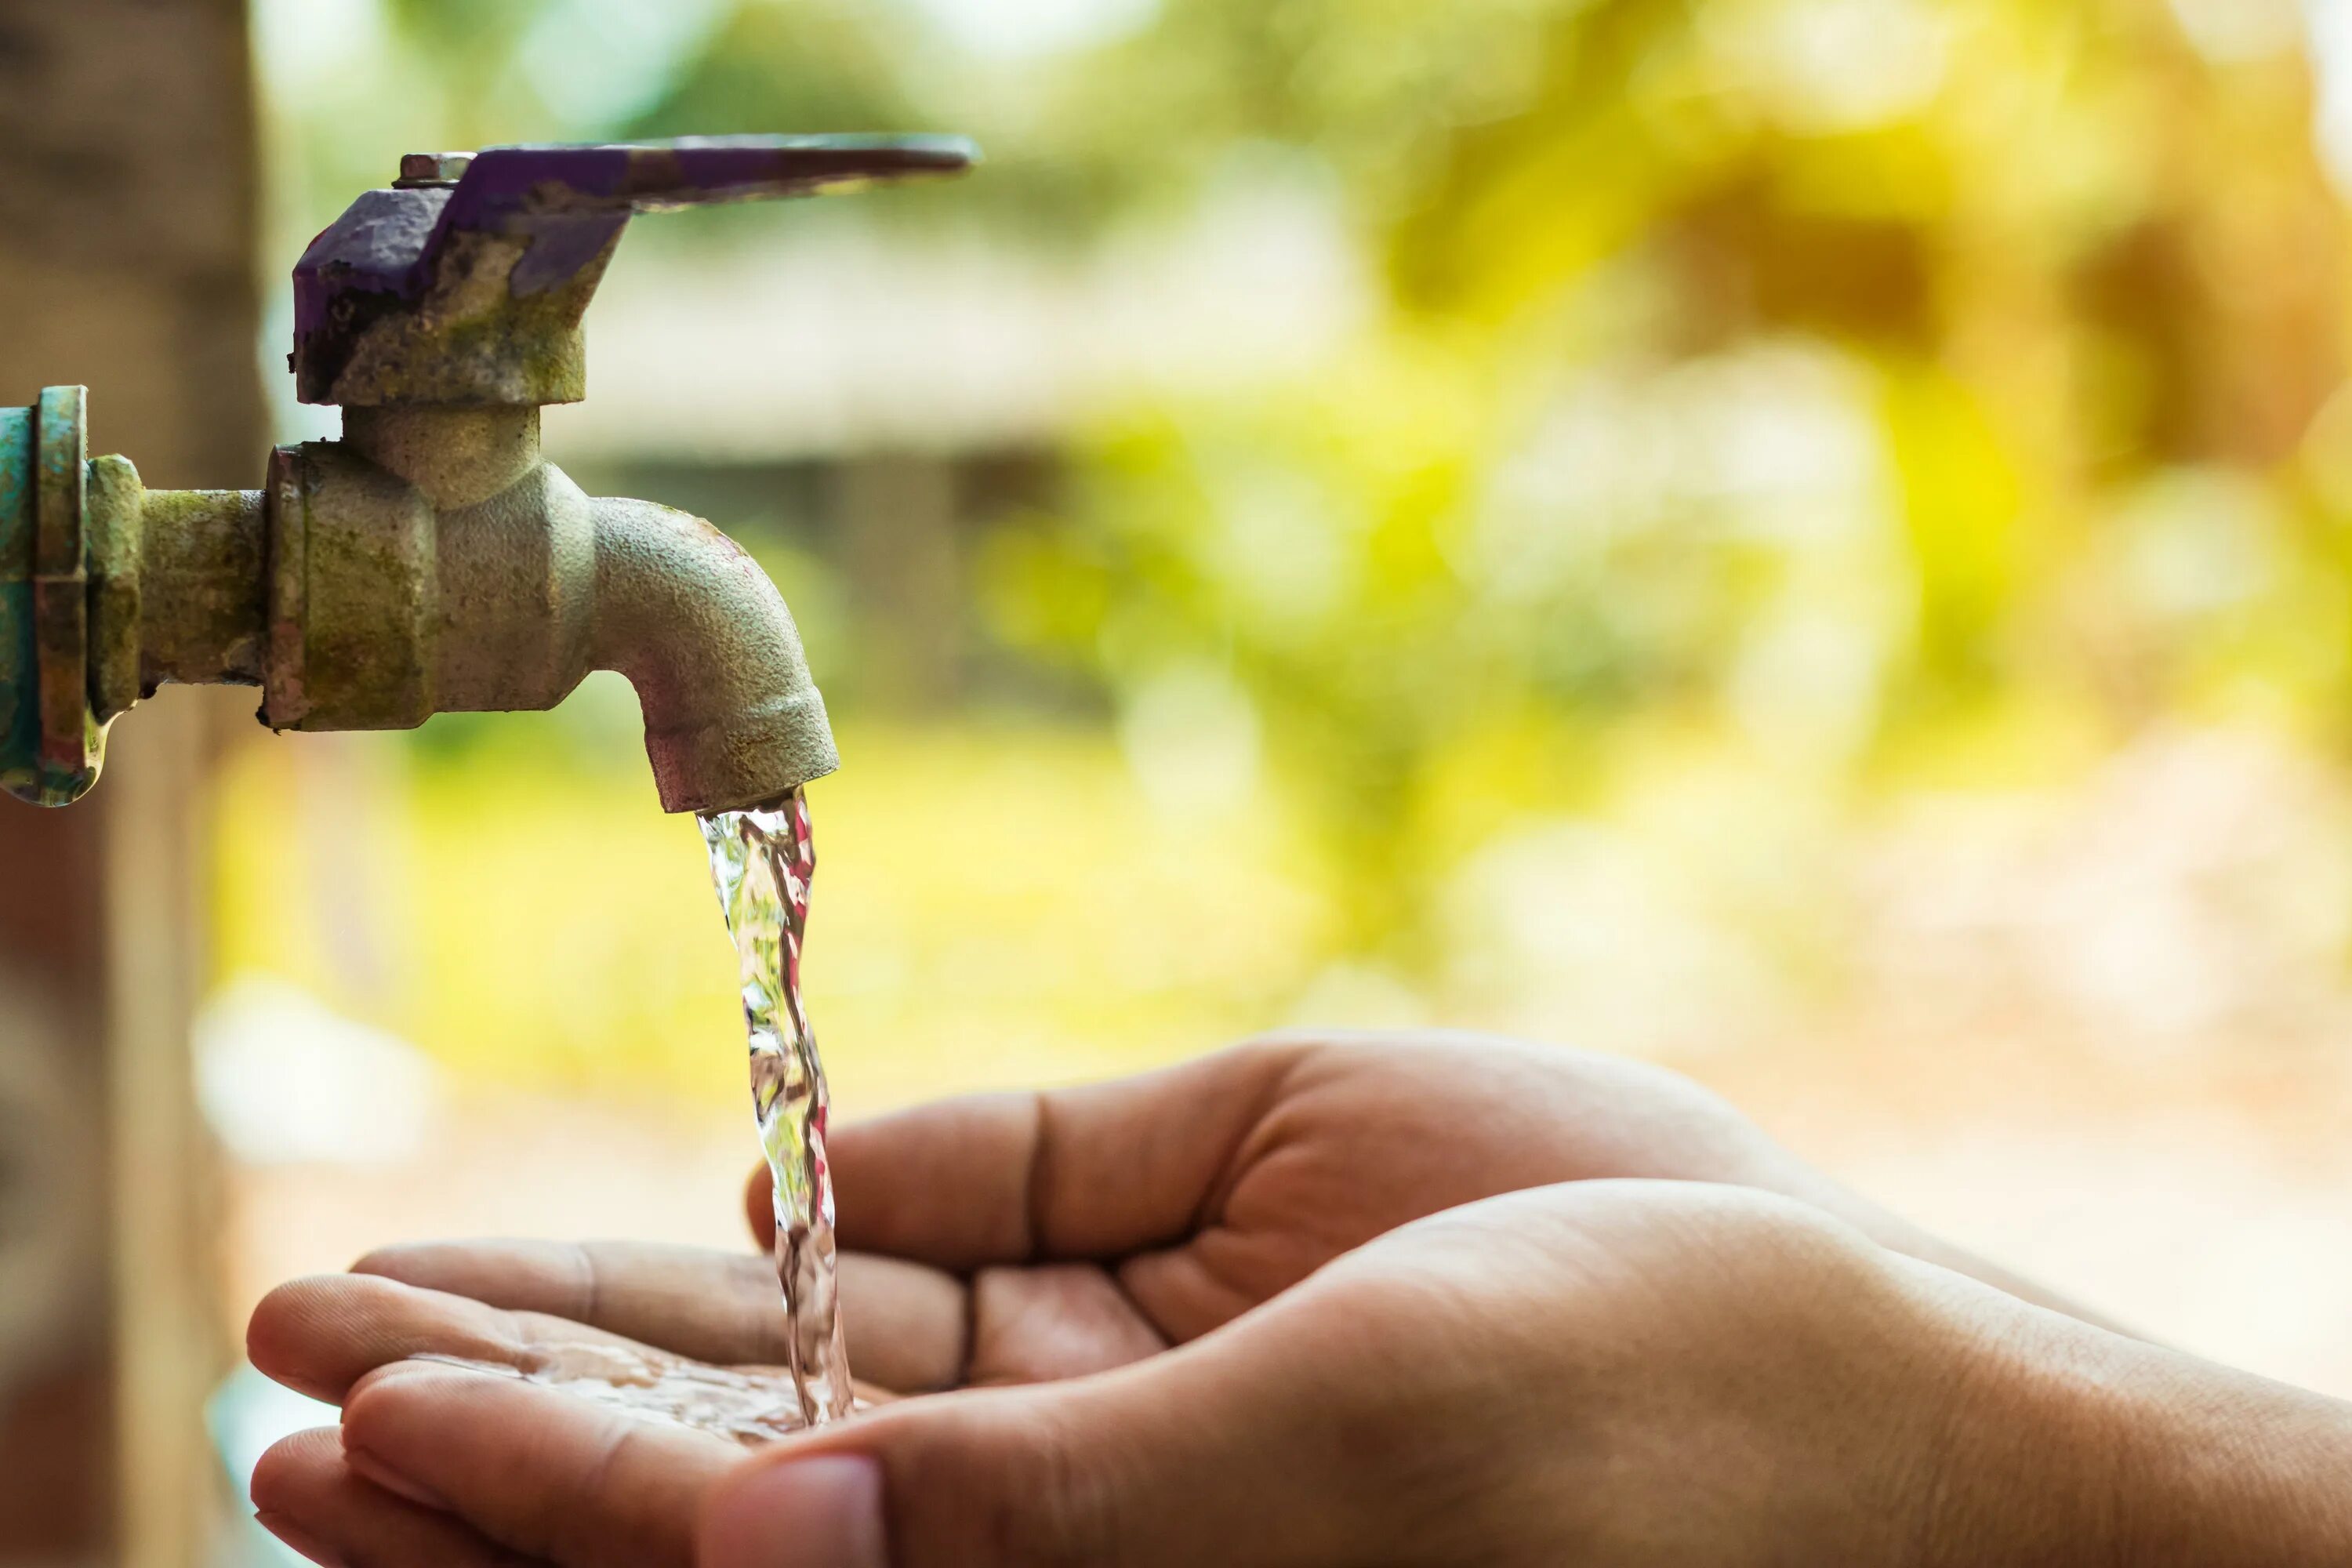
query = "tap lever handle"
{"x": 503, "y": 187}
{"x": 465, "y": 282}
{"x": 571, "y": 201}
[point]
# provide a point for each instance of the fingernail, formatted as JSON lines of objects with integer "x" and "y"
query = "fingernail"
{"x": 819, "y": 1512}
{"x": 371, "y": 1468}
{"x": 299, "y": 1539}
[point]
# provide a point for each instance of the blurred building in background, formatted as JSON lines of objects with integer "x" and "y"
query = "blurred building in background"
{"x": 1811, "y": 540}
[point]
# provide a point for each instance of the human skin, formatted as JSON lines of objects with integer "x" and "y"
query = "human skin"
{"x": 1422, "y": 1299}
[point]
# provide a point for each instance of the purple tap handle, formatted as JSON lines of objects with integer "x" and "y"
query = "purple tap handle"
{"x": 572, "y": 199}
{"x": 565, "y": 205}
{"x": 502, "y": 185}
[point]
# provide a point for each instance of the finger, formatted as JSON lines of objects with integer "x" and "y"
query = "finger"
{"x": 907, "y": 1322}
{"x": 320, "y": 1335}
{"x": 537, "y": 1471}
{"x": 305, "y": 1494}
{"x": 1088, "y": 1173}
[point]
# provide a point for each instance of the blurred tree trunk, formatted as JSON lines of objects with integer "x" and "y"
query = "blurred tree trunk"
{"x": 126, "y": 225}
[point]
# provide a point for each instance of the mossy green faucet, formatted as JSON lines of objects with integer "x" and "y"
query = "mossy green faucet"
{"x": 430, "y": 561}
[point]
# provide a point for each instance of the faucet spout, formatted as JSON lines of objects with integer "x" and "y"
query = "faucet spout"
{"x": 733, "y": 717}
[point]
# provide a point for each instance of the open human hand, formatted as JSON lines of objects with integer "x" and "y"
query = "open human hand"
{"x": 1098, "y": 1225}
{"x": 674, "y": 1354}
{"x": 1030, "y": 1238}
{"x": 1604, "y": 1372}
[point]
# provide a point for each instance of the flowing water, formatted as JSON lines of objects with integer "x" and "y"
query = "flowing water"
{"x": 761, "y": 860}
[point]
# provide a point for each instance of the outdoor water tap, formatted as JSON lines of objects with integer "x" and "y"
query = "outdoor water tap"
{"x": 430, "y": 561}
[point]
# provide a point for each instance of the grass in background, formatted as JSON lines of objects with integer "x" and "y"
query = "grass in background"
{"x": 992, "y": 908}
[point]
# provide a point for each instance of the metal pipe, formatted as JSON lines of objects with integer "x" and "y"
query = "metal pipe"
{"x": 203, "y": 588}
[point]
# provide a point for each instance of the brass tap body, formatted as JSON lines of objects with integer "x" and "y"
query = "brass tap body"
{"x": 432, "y": 560}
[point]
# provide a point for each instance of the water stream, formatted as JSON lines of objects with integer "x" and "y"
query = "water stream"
{"x": 761, "y": 860}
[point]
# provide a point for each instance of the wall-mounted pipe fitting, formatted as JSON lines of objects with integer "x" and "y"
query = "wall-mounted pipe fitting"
{"x": 108, "y": 590}
{"x": 50, "y": 743}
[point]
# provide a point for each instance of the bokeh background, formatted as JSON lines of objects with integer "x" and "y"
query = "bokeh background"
{"x": 1806, "y": 540}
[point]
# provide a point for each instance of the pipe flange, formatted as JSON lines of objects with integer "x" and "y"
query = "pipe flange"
{"x": 51, "y": 744}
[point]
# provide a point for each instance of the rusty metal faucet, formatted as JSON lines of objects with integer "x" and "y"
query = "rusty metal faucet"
{"x": 430, "y": 561}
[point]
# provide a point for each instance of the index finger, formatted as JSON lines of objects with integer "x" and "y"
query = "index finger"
{"x": 1090, "y": 1172}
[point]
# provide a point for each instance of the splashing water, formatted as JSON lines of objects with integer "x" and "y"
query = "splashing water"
{"x": 761, "y": 860}
{"x": 649, "y": 1386}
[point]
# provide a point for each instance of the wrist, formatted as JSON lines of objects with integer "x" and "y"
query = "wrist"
{"x": 2094, "y": 1447}
{"x": 2220, "y": 1466}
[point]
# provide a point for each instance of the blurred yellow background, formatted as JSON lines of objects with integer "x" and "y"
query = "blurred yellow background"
{"x": 1811, "y": 540}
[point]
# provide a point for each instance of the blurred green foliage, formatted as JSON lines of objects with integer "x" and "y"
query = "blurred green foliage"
{"x": 1834, "y": 373}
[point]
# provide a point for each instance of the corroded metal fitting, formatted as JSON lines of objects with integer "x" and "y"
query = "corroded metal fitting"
{"x": 50, "y": 743}
{"x": 431, "y": 562}
{"x": 107, "y": 590}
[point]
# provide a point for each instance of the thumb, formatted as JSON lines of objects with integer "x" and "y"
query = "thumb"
{"x": 1194, "y": 1457}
